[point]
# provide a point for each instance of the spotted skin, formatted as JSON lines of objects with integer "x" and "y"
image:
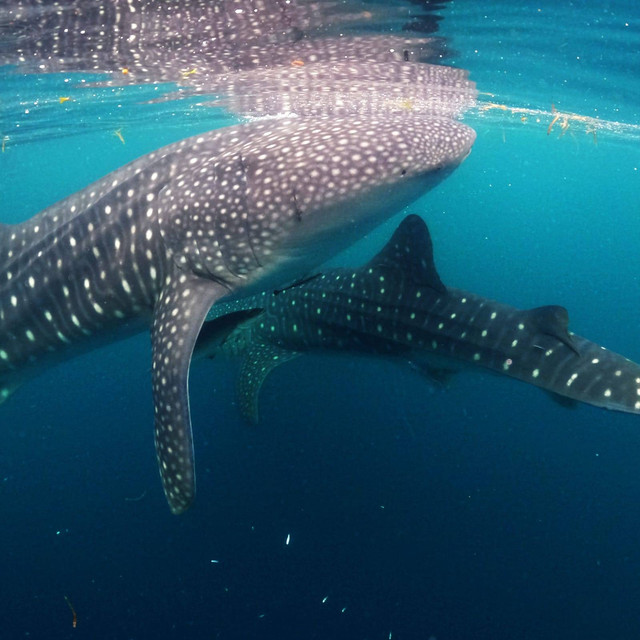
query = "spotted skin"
{"x": 188, "y": 40}
{"x": 397, "y": 306}
{"x": 345, "y": 87}
{"x": 256, "y": 57}
{"x": 226, "y": 213}
{"x": 173, "y": 334}
{"x": 152, "y": 38}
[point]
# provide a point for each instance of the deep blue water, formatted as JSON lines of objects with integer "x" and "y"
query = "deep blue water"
{"x": 484, "y": 511}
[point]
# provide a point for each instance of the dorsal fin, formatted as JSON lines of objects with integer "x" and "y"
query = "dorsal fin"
{"x": 553, "y": 320}
{"x": 410, "y": 250}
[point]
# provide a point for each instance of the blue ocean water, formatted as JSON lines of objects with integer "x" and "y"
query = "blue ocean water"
{"x": 483, "y": 511}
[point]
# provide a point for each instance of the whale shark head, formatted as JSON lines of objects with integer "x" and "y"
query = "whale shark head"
{"x": 262, "y": 206}
{"x": 275, "y": 204}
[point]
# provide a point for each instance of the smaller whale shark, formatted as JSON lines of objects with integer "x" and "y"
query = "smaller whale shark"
{"x": 223, "y": 214}
{"x": 396, "y": 306}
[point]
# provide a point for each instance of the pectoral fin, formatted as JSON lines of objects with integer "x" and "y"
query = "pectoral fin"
{"x": 178, "y": 316}
{"x": 260, "y": 360}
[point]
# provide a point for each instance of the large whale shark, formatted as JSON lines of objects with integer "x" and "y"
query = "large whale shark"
{"x": 225, "y": 213}
{"x": 396, "y": 306}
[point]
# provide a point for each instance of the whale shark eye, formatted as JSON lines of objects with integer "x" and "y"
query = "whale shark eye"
{"x": 403, "y": 172}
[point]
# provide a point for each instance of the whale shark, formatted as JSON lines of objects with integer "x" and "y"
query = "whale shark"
{"x": 396, "y": 306}
{"x": 221, "y": 215}
{"x": 159, "y": 40}
{"x": 249, "y": 57}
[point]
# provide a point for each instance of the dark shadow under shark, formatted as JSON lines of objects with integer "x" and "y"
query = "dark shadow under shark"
{"x": 396, "y": 306}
